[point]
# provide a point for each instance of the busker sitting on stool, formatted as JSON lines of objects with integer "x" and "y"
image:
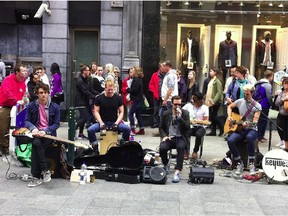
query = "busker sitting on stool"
{"x": 42, "y": 117}
{"x": 249, "y": 110}
{"x": 199, "y": 115}
{"x": 108, "y": 111}
{"x": 174, "y": 126}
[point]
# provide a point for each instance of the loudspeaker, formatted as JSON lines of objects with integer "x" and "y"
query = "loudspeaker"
{"x": 156, "y": 175}
{"x": 52, "y": 154}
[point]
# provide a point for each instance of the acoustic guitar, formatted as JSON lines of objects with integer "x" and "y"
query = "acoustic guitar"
{"x": 237, "y": 124}
{"x": 25, "y": 132}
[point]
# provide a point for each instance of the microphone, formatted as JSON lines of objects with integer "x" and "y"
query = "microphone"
{"x": 179, "y": 111}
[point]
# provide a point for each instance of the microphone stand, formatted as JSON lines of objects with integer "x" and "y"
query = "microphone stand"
{"x": 270, "y": 124}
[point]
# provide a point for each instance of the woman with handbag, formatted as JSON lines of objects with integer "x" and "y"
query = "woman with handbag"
{"x": 57, "y": 93}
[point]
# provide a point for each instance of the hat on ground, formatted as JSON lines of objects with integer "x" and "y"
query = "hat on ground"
{"x": 199, "y": 95}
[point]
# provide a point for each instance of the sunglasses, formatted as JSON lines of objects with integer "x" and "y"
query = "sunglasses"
{"x": 175, "y": 104}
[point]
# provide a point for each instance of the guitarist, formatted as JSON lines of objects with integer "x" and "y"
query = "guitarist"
{"x": 199, "y": 114}
{"x": 42, "y": 117}
{"x": 249, "y": 109}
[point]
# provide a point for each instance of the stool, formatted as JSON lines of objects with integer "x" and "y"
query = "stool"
{"x": 107, "y": 140}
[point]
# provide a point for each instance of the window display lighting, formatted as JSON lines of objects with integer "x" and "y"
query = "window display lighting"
{"x": 281, "y": 5}
{"x": 270, "y": 4}
{"x": 186, "y": 3}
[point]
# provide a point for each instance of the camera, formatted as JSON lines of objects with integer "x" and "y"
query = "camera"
{"x": 44, "y": 7}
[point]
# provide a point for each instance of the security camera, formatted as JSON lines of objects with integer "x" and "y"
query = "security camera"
{"x": 43, "y": 7}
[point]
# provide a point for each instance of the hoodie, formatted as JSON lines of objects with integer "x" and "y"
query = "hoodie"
{"x": 263, "y": 93}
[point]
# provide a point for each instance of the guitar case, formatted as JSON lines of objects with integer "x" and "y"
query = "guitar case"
{"x": 124, "y": 163}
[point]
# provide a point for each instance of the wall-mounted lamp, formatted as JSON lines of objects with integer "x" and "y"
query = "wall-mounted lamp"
{"x": 257, "y": 4}
{"x": 281, "y": 5}
{"x": 241, "y": 4}
{"x": 186, "y": 3}
{"x": 270, "y": 4}
{"x": 200, "y": 4}
{"x": 168, "y": 3}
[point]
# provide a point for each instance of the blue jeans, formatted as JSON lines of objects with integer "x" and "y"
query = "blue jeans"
{"x": 95, "y": 128}
{"x": 136, "y": 108}
{"x": 164, "y": 108}
{"x": 250, "y": 135}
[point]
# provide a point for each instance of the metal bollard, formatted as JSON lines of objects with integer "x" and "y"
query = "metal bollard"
{"x": 71, "y": 135}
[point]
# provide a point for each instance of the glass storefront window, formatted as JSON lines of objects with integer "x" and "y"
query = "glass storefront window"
{"x": 207, "y": 23}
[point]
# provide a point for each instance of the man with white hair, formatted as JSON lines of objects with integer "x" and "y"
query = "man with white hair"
{"x": 249, "y": 110}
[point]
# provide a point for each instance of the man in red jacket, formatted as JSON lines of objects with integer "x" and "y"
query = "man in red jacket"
{"x": 11, "y": 93}
{"x": 155, "y": 84}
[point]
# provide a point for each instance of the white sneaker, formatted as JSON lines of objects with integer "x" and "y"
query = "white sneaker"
{"x": 252, "y": 170}
{"x": 239, "y": 169}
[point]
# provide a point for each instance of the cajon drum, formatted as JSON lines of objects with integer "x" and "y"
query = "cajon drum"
{"x": 107, "y": 140}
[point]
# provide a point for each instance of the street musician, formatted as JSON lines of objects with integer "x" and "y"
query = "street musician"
{"x": 249, "y": 111}
{"x": 199, "y": 115}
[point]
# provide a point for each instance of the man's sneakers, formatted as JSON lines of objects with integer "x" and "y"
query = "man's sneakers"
{"x": 252, "y": 170}
{"x": 35, "y": 182}
{"x": 176, "y": 177}
{"x": 239, "y": 168}
{"x": 46, "y": 176}
{"x": 38, "y": 181}
{"x": 166, "y": 168}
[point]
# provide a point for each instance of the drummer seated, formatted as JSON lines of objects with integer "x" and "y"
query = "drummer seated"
{"x": 199, "y": 115}
{"x": 109, "y": 112}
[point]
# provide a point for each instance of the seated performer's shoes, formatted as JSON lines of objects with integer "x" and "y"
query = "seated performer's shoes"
{"x": 35, "y": 182}
{"x": 46, "y": 176}
{"x": 252, "y": 170}
{"x": 239, "y": 169}
{"x": 176, "y": 178}
{"x": 166, "y": 168}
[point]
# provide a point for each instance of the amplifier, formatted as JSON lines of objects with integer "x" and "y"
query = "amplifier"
{"x": 201, "y": 175}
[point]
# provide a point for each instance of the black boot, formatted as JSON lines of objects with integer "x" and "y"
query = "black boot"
{"x": 212, "y": 133}
{"x": 95, "y": 148}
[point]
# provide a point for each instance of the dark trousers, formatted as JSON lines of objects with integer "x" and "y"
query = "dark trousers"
{"x": 213, "y": 110}
{"x": 198, "y": 132}
{"x": 156, "y": 117}
{"x": 262, "y": 123}
{"x": 84, "y": 116}
{"x": 177, "y": 143}
{"x": 282, "y": 122}
{"x": 38, "y": 157}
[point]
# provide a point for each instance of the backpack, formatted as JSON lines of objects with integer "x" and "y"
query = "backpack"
{"x": 257, "y": 94}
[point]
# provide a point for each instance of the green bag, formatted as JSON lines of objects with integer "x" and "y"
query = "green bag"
{"x": 23, "y": 153}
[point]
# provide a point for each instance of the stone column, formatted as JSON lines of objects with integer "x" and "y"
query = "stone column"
{"x": 132, "y": 33}
{"x": 55, "y": 43}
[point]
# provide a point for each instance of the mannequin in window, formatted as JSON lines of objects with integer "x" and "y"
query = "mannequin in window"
{"x": 227, "y": 54}
{"x": 265, "y": 54}
{"x": 189, "y": 53}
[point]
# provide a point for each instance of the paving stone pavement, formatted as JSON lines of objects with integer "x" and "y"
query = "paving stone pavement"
{"x": 226, "y": 196}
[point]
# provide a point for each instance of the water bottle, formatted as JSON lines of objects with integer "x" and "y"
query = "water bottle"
{"x": 83, "y": 174}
